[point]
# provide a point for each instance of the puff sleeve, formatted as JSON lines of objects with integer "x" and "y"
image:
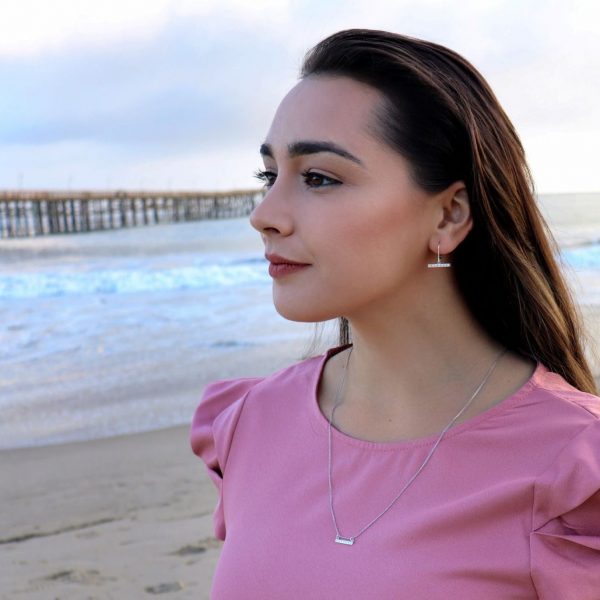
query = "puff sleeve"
{"x": 565, "y": 541}
{"x": 212, "y": 430}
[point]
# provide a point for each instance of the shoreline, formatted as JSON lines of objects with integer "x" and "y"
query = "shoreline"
{"x": 263, "y": 360}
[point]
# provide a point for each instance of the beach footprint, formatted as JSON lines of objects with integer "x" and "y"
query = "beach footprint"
{"x": 90, "y": 577}
{"x": 199, "y": 548}
{"x": 85, "y": 576}
{"x": 164, "y": 588}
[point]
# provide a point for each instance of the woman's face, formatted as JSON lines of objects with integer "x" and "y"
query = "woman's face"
{"x": 357, "y": 220}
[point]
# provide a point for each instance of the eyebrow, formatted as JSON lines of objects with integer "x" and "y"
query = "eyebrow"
{"x": 311, "y": 147}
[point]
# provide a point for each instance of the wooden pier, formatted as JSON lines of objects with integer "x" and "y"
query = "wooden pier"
{"x": 34, "y": 213}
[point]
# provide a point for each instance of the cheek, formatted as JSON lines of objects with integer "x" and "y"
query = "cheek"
{"x": 372, "y": 245}
{"x": 357, "y": 258}
{"x": 375, "y": 257}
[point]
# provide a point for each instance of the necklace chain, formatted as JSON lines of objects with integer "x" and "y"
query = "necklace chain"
{"x": 350, "y": 540}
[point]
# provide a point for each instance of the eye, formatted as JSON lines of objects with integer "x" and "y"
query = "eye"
{"x": 266, "y": 177}
{"x": 317, "y": 179}
{"x": 308, "y": 175}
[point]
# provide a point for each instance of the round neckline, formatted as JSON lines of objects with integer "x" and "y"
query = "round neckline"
{"x": 323, "y": 421}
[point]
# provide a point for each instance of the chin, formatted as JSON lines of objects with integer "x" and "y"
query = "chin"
{"x": 303, "y": 312}
{"x": 299, "y": 315}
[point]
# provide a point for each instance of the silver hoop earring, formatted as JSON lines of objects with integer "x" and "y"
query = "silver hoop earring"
{"x": 439, "y": 263}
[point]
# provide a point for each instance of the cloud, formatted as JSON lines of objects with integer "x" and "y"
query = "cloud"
{"x": 29, "y": 27}
{"x": 184, "y": 86}
{"x": 163, "y": 83}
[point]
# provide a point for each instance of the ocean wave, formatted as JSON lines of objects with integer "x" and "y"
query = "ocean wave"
{"x": 582, "y": 257}
{"x": 126, "y": 281}
{"x": 147, "y": 275}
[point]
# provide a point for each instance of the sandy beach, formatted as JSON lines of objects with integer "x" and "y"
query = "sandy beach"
{"x": 130, "y": 516}
{"x": 125, "y": 517}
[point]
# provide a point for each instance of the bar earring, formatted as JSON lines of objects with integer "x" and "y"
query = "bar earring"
{"x": 439, "y": 263}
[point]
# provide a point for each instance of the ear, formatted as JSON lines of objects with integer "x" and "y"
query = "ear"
{"x": 456, "y": 220}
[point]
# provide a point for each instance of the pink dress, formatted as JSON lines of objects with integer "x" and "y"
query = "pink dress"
{"x": 508, "y": 508}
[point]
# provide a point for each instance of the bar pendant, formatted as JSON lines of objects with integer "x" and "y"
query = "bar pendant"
{"x": 434, "y": 265}
{"x": 342, "y": 540}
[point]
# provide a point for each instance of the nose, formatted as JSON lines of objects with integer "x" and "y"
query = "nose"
{"x": 271, "y": 216}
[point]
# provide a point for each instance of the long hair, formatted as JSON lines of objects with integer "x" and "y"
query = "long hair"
{"x": 441, "y": 115}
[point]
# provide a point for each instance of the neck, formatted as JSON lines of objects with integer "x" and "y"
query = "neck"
{"x": 424, "y": 355}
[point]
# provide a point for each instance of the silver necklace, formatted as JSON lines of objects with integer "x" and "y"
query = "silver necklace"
{"x": 340, "y": 539}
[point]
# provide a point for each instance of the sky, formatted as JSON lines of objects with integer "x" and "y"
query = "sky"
{"x": 179, "y": 94}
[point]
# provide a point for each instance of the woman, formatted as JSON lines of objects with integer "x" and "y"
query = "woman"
{"x": 449, "y": 447}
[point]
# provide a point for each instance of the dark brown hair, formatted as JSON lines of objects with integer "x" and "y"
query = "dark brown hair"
{"x": 441, "y": 115}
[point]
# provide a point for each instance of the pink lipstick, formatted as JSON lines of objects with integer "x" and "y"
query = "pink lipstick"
{"x": 280, "y": 266}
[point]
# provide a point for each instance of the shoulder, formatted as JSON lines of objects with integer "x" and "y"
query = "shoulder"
{"x": 556, "y": 385}
{"x": 573, "y": 421}
{"x": 226, "y": 391}
{"x": 561, "y": 409}
{"x": 544, "y": 416}
{"x": 223, "y": 399}
{"x": 548, "y": 427}
{"x": 550, "y": 414}
{"x": 216, "y": 418}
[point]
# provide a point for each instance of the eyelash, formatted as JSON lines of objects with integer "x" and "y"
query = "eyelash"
{"x": 264, "y": 176}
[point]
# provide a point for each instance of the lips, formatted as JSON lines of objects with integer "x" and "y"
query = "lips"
{"x": 281, "y": 266}
{"x": 276, "y": 259}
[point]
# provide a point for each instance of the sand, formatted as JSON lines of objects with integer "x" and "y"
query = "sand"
{"x": 124, "y": 517}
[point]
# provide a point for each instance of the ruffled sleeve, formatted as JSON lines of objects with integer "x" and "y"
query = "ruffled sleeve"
{"x": 212, "y": 430}
{"x": 565, "y": 541}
